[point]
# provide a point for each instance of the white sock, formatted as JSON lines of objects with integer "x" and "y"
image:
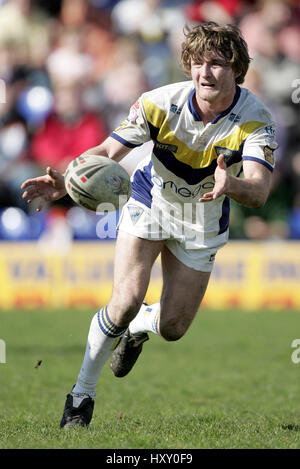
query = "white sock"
{"x": 100, "y": 343}
{"x": 147, "y": 319}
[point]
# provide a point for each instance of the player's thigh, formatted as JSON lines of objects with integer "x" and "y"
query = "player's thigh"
{"x": 183, "y": 291}
{"x": 134, "y": 258}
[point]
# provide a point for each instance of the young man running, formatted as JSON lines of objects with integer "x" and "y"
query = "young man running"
{"x": 206, "y": 132}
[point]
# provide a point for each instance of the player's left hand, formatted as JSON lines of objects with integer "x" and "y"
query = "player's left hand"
{"x": 221, "y": 181}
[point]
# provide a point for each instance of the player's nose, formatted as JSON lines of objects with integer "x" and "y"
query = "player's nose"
{"x": 205, "y": 70}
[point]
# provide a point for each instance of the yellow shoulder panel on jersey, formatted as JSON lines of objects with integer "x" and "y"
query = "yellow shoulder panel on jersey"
{"x": 161, "y": 133}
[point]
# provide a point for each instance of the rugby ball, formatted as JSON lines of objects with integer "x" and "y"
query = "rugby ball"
{"x": 97, "y": 183}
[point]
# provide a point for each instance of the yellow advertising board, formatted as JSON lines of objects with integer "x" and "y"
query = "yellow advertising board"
{"x": 260, "y": 275}
{"x": 246, "y": 275}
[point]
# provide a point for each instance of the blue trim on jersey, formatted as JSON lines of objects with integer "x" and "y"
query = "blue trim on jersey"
{"x": 224, "y": 113}
{"x": 123, "y": 141}
{"x": 197, "y": 116}
{"x": 224, "y": 220}
{"x": 258, "y": 160}
{"x": 142, "y": 185}
{"x": 191, "y": 107}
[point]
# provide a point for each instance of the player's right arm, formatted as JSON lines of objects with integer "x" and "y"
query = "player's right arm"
{"x": 111, "y": 148}
{"x": 51, "y": 186}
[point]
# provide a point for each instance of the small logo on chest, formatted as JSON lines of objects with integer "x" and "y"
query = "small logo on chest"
{"x": 225, "y": 151}
{"x": 174, "y": 108}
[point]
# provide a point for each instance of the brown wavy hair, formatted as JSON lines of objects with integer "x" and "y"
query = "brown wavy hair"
{"x": 206, "y": 38}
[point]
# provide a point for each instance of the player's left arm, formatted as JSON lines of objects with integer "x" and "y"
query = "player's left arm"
{"x": 251, "y": 191}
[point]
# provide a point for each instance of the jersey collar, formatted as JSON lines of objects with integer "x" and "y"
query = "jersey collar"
{"x": 197, "y": 116}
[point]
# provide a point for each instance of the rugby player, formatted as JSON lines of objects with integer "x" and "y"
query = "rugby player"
{"x": 207, "y": 131}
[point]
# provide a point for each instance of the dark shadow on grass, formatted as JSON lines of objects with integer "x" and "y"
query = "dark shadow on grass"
{"x": 291, "y": 427}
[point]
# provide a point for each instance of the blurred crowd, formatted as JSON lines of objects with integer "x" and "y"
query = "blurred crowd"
{"x": 71, "y": 69}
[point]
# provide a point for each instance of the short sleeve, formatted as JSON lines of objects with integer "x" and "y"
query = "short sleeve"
{"x": 260, "y": 146}
{"x": 134, "y": 131}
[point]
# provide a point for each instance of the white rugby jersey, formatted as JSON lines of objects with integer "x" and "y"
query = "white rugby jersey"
{"x": 184, "y": 157}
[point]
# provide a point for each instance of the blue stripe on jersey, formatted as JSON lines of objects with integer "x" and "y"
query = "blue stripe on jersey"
{"x": 180, "y": 169}
{"x": 224, "y": 220}
{"x": 123, "y": 141}
{"x": 183, "y": 170}
{"x": 191, "y": 107}
{"x": 258, "y": 160}
{"x": 142, "y": 185}
{"x": 224, "y": 113}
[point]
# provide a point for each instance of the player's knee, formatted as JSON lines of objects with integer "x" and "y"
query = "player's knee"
{"x": 172, "y": 332}
{"x": 124, "y": 312}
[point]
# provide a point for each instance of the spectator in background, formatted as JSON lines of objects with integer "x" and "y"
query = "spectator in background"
{"x": 13, "y": 162}
{"x": 68, "y": 131}
{"x": 221, "y": 11}
{"x": 24, "y": 44}
{"x": 67, "y": 62}
{"x": 73, "y": 13}
{"x": 26, "y": 28}
{"x": 124, "y": 83}
{"x": 264, "y": 30}
{"x": 150, "y": 23}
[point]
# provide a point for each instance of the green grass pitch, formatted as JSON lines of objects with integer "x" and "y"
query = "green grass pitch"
{"x": 229, "y": 383}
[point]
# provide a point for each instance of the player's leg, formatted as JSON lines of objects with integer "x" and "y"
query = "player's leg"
{"x": 183, "y": 291}
{"x": 131, "y": 276}
{"x": 179, "y": 278}
{"x": 134, "y": 258}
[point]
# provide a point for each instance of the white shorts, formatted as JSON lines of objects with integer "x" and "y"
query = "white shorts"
{"x": 136, "y": 219}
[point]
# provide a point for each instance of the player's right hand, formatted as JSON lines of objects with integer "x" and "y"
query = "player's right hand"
{"x": 222, "y": 179}
{"x": 46, "y": 188}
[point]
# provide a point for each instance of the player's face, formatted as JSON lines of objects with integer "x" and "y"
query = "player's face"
{"x": 214, "y": 79}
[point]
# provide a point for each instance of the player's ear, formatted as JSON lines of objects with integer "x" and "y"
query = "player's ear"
{"x": 236, "y": 75}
